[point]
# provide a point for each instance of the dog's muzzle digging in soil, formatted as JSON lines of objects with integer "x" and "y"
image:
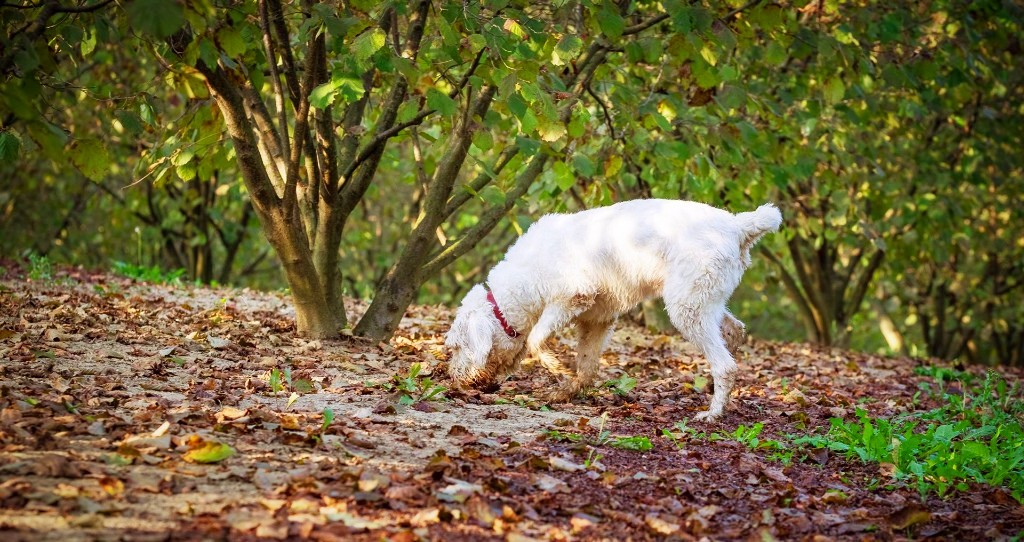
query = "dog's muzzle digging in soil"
{"x": 586, "y": 268}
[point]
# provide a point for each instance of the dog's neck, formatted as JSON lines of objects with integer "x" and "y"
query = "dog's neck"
{"x": 509, "y": 330}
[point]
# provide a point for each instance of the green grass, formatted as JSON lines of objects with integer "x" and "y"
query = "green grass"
{"x": 975, "y": 436}
{"x": 748, "y": 436}
{"x": 148, "y": 274}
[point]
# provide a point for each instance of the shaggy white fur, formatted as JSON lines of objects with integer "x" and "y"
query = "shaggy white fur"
{"x": 587, "y": 268}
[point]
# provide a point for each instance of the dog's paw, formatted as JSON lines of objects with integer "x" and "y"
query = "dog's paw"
{"x": 563, "y": 394}
{"x": 707, "y": 416}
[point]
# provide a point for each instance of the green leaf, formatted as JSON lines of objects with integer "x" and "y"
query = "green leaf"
{"x": 552, "y": 131}
{"x": 183, "y": 156}
{"x": 209, "y": 451}
{"x": 91, "y": 158}
{"x": 88, "y": 44}
{"x": 584, "y": 165}
{"x": 566, "y": 49}
{"x": 483, "y": 140}
{"x": 9, "y": 147}
{"x": 407, "y": 111}
{"x": 564, "y": 178}
{"x": 368, "y": 43}
{"x": 186, "y": 172}
{"x": 612, "y": 24}
{"x": 441, "y": 102}
{"x": 323, "y": 95}
{"x": 231, "y": 41}
{"x": 834, "y": 90}
{"x": 514, "y": 28}
{"x": 732, "y": 97}
{"x": 158, "y": 18}
{"x": 476, "y": 43}
{"x": 636, "y": 444}
{"x": 349, "y": 88}
{"x": 328, "y": 419}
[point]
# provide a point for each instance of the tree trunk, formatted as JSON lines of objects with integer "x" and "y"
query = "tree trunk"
{"x": 313, "y": 316}
{"x": 392, "y": 296}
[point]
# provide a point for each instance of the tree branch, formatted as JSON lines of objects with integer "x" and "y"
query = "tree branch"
{"x": 275, "y": 76}
{"x": 481, "y": 180}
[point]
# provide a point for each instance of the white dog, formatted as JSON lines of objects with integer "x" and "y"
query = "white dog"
{"x": 587, "y": 268}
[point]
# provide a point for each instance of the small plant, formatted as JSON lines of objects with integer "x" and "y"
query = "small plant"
{"x": 40, "y": 268}
{"x": 604, "y": 437}
{"x": 621, "y": 385}
{"x": 282, "y": 380}
{"x": 328, "y": 420}
{"x": 415, "y": 388}
{"x": 748, "y": 435}
{"x": 275, "y": 380}
{"x": 976, "y": 436}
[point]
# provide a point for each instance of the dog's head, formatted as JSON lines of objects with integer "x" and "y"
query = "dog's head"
{"x": 480, "y": 352}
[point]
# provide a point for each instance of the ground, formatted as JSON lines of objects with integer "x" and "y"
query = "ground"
{"x": 133, "y": 411}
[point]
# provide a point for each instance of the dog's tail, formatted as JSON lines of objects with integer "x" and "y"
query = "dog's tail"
{"x": 755, "y": 224}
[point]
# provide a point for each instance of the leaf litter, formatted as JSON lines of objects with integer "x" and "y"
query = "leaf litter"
{"x": 132, "y": 410}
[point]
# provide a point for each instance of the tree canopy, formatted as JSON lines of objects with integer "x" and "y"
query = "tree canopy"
{"x": 393, "y": 150}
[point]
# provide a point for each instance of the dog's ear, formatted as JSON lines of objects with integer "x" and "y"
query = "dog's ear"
{"x": 481, "y": 339}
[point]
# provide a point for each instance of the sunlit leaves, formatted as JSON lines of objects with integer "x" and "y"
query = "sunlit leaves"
{"x": 441, "y": 102}
{"x": 91, "y": 158}
{"x": 368, "y": 43}
{"x": 514, "y": 28}
{"x": 834, "y": 90}
{"x": 231, "y": 41}
{"x": 348, "y": 89}
{"x": 566, "y": 49}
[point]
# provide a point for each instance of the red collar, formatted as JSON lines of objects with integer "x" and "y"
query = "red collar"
{"x": 509, "y": 330}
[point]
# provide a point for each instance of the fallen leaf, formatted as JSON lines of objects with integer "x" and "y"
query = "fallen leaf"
{"x": 217, "y": 342}
{"x": 564, "y": 464}
{"x": 112, "y": 486}
{"x": 458, "y": 490}
{"x": 661, "y": 526}
{"x": 909, "y": 515}
{"x": 545, "y": 482}
{"x": 208, "y": 451}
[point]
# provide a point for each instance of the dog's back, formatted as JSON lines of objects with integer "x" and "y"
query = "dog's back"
{"x": 631, "y": 246}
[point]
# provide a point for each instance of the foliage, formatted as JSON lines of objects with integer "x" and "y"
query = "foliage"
{"x": 886, "y": 132}
{"x": 975, "y": 436}
{"x": 148, "y": 273}
{"x": 779, "y": 450}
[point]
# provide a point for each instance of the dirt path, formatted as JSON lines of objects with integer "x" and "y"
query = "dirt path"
{"x": 113, "y": 393}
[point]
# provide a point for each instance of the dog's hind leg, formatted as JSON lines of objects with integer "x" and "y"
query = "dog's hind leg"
{"x": 734, "y": 332}
{"x": 703, "y": 330}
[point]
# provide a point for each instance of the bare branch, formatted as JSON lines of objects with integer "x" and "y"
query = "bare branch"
{"x": 275, "y": 76}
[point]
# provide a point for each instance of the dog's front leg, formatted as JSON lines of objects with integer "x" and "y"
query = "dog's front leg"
{"x": 592, "y": 338}
{"x": 552, "y": 319}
